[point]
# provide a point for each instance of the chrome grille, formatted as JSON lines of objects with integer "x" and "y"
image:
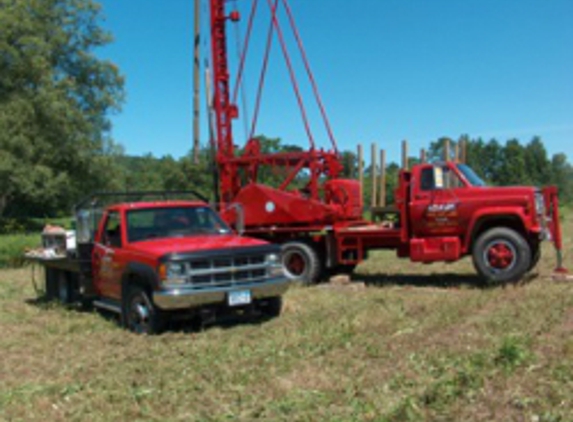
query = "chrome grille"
{"x": 226, "y": 271}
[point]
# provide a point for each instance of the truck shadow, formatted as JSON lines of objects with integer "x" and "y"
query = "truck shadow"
{"x": 447, "y": 280}
{"x": 189, "y": 325}
{"x": 197, "y": 325}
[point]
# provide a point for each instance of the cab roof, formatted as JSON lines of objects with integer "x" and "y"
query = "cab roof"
{"x": 125, "y": 206}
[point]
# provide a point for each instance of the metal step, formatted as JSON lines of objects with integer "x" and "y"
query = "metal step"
{"x": 108, "y": 305}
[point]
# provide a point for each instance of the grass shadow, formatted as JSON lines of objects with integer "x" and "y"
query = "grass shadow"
{"x": 43, "y": 301}
{"x": 445, "y": 281}
{"x": 197, "y": 324}
{"x": 185, "y": 324}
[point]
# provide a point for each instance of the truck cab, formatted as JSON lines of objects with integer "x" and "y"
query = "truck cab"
{"x": 450, "y": 212}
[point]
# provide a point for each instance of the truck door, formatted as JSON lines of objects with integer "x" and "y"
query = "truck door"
{"x": 107, "y": 254}
{"x": 434, "y": 204}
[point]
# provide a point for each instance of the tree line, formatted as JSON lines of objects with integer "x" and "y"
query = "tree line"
{"x": 56, "y": 97}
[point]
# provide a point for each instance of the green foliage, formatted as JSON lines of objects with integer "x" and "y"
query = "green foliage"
{"x": 31, "y": 225}
{"x": 55, "y": 96}
{"x": 513, "y": 163}
{"x": 12, "y": 248}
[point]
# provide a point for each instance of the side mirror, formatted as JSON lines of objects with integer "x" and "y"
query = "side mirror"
{"x": 240, "y": 217}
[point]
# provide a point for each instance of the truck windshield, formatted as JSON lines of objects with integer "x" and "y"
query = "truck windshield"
{"x": 153, "y": 223}
{"x": 470, "y": 175}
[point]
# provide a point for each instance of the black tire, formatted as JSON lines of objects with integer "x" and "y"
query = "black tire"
{"x": 271, "y": 307}
{"x": 140, "y": 314}
{"x": 300, "y": 262}
{"x": 501, "y": 255}
{"x": 64, "y": 291}
{"x": 51, "y": 287}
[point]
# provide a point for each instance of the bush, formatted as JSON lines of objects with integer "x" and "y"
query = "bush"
{"x": 12, "y": 248}
{"x": 31, "y": 225}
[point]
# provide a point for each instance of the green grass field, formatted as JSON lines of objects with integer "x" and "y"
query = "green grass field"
{"x": 417, "y": 343}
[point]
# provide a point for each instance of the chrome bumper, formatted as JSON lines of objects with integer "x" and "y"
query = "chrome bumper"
{"x": 183, "y": 298}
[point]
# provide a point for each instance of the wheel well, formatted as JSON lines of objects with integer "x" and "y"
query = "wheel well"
{"x": 509, "y": 222}
{"x": 134, "y": 279}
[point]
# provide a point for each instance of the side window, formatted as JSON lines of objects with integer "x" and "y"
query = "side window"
{"x": 438, "y": 177}
{"x": 112, "y": 230}
{"x": 427, "y": 179}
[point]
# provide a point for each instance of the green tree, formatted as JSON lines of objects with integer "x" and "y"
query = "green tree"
{"x": 55, "y": 99}
{"x": 537, "y": 163}
{"x": 561, "y": 175}
{"x": 513, "y": 170}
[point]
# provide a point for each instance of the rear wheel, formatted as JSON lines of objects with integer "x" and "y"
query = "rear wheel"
{"x": 140, "y": 315}
{"x": 51, "y": 283}
{"x": 300, "y": 262}
{"x": 64, "y": 288}
{"x": 501, "y": 255}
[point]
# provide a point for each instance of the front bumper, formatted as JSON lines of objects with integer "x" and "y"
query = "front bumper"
{"x": 185, "y": 298}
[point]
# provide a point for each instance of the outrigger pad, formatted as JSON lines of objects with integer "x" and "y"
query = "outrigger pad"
{"x": 562, "y": 277}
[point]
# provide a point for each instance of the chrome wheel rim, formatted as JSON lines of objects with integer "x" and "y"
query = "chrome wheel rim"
{"x": 139, "y": 315}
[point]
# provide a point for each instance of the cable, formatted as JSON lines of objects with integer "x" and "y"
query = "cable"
{"x": 291, "y": 72}
{"x": 310, "y": 74}
{"x": 262, "y": 78}
{"x": 239, "y": 84}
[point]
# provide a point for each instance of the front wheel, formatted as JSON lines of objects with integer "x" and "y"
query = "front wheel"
{"x": 501, "y": 255}
{"x": 140, "y": 315}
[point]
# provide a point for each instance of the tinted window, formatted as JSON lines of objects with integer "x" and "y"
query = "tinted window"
{"x": 446, "y": 178}
{"x": 173, "y": 222}
{"x": 427, "y": 179}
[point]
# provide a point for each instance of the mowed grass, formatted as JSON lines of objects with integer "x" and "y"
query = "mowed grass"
{"x": 417, "y": 343}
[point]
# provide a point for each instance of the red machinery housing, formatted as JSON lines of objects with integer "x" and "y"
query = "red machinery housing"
{"x": 324, "y": 200}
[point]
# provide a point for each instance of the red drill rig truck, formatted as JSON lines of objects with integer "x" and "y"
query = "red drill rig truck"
{"x": 442, "y": 212}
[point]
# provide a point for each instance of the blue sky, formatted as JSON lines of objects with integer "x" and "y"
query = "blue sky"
{"x": 387, "y": 69}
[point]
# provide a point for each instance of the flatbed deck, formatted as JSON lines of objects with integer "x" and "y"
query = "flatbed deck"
{"x": 60, "y": 262}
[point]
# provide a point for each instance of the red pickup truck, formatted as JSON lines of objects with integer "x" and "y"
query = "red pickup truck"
{"x": 151, "y": 261}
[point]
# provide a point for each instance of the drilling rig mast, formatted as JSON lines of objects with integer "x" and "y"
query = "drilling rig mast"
{"x": 325, "y": 199}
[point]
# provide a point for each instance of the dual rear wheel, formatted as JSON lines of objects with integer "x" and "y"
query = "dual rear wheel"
{"x": 302, "y": 263}
{"x": 59, "y": 286}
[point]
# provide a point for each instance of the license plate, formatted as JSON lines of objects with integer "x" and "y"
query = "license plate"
{"x": 241, "y": 297}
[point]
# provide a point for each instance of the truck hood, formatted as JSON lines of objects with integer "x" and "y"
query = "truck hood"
{"x": 190, "y": 244}
{"x": 507, "y": 190}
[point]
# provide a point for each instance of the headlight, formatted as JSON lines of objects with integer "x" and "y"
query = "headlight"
{"x": 173, "y": 273}
{"x": 175, "y": 269}
{"x": 275, "y": 265}
{"x": 273, "y": 258}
